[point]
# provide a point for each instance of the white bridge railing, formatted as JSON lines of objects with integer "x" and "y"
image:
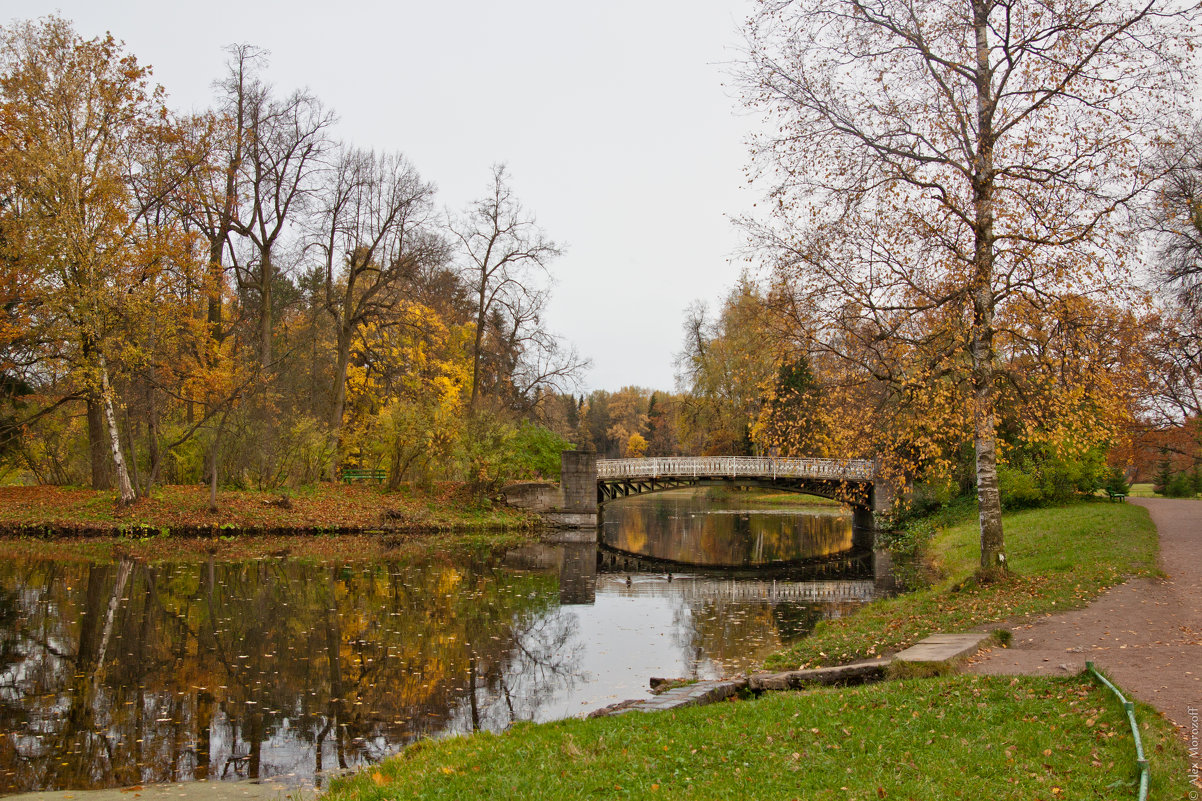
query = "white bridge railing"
{"x": 735, "y": 467}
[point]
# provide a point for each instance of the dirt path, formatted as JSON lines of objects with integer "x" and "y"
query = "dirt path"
{"x": 1147, "y": 633}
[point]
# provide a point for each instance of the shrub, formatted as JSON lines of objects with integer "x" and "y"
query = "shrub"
{"x": 495, "y": 451}
{"x": 1180, "y": 486}
{"x": 1020, "y": 489}
{"x": 537, "y": 451}
{"x": 1048, "y": 479}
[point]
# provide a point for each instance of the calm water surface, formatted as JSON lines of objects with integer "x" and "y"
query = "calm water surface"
{"x": 130, "y": 673}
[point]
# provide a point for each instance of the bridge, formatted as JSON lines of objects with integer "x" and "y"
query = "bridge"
{"x": 587, "y": 484}
{"x": 849, "y": 480}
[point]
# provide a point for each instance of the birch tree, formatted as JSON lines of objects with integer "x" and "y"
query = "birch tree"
{"x": 934, "y": 162}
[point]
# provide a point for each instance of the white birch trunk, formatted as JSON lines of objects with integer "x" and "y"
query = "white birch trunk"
{"x": 124, "y": 488}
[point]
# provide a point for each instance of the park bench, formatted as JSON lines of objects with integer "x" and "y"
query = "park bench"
{"x": 360, "y": 474}
{"x": 1117, "y": 497}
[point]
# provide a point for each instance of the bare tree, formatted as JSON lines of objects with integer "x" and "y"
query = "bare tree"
{"x": 219, "y": 144}
{"x": 371, "y": 232}
{"x": 1176, "y": 223}
{"x": 505, "y": 254}
{"x": 936, "y": 160}
{"x": 282, "y": 144}
{"x": 1175, "y": 362}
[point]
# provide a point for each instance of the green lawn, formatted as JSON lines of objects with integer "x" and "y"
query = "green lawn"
{"x": 1059, "y": 558}
{"x": 960, "y": 737}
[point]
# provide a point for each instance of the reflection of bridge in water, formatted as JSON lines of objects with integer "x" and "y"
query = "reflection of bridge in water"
{"x": 705, "y": 588}
{"x": 584, "y": 566}
{"x": 851, "y": 564}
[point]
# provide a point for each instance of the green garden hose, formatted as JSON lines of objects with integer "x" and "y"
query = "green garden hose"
{"x": 1129, "y": 707}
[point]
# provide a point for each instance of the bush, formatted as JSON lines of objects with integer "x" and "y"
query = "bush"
{"x": 1047, "y": 480}
{"x": 537, "y": 451}
{"x": 1180, "y": 486}
{"x": 495, "y": 452}
{"x": 1020, "y": 489}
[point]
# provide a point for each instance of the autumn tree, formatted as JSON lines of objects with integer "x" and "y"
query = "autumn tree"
{"x": 369, "y": 232}
{"x": 1174, "y": 345}
{"x": 87, "y": 224}
{"x": 663, "y": 423}
{"x": 934, "y": 162}
{"x": 1175, "y": 219}
{"x": 627, "y": 411}
{"x": 790, "y": 420}
{"x": 725, "y": 362}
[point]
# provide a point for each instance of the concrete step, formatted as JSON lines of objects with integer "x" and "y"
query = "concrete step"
{"x": 943, "y": 647}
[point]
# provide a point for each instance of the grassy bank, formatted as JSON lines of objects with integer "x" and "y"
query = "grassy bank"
{"x": 1059, "y": 559}
{"x": 182, "y": 511}
{"x": 965, "y": 736}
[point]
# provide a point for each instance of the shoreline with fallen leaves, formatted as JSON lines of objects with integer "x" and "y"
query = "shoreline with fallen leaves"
{"x": 366, "y": 520}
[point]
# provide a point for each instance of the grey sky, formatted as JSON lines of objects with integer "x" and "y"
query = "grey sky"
{"x": 612, "y": 118}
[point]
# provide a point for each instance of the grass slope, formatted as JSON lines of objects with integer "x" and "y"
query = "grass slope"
{"x": 1059, "y": 559}
{"x": 960, "y": 737}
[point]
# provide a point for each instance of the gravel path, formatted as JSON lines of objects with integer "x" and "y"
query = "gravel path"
{"x": 1147, "y": 633}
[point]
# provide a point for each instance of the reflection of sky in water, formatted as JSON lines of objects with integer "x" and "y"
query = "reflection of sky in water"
{"x": 624, "y": 642}
{"x": 653, "y": 627}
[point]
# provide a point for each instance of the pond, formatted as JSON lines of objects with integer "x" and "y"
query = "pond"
{"x": 123, "y": 673}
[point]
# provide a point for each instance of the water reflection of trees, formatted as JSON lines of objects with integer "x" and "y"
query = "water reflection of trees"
{"x": 544, "y": 660}
{"x": 117, "y": 674}
{"x": 688, "y": 529}
{"x": 735, "y": 635}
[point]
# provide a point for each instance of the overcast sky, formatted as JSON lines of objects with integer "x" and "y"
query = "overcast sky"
{"x": 612, "y": 117}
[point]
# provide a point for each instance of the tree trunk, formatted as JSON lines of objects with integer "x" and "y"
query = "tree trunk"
{"x": 153, "y": 454}
{"x": 98, "y": 450}
{"x": 471, "y": 688}
{"x": 993, "y": 557}
{"x": 213, "y": 474}
{"x": 338, "y": 398}
{"x": 124, "y": 568}
{"x": 479, "y": 343}
{"x": 217, "y": 275}
{"x": 265, "y": 320}
{"x": 337, "y": 705}
{"x": 338, "y": 391}
{"x": 125, "y": 489}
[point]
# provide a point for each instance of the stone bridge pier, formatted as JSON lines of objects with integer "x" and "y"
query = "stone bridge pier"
{"x": 863, "y": 518}
{"x": 578, "y": 485}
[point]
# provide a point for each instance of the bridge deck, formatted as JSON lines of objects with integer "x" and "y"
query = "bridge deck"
{"x": 735, "y": 467}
